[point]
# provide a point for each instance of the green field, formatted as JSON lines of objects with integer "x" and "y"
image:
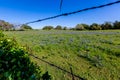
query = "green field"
{"x": 92, "y": 55}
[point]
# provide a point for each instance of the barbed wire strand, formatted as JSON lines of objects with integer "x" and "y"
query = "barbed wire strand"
{"x": 51, "y": 64}
{"x": 74, "y": 12}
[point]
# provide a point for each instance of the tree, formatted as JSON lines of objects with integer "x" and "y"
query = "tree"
{"x": 116, "y": 25}
{"x": 65, "y": 28}
{"x": 106, "y": 25}
{"x": 86, "y": 26}
{"x": 47, "y": 27}
{"x": 5, "y": 25}
{"x": 95, "y": 26}
{"x": 79, "y": 27}
{"x": 25, "y": 26}
{"x": 58, "y": 27}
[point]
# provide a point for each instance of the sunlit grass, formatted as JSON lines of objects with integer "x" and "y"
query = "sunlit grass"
{"x": 93, "y": 55}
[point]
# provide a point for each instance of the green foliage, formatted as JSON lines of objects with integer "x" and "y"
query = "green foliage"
{"x": 58, "y": 27}
{"x": 5, "y": 25}
{"x": 106, "y": 25}
{"x": 72, "y": 29}
{"x": 87, "y": 27}
{"x": 116, "y": 25}
{"x": 1, "y": 34}
{"x": 65, "y": 28}
{"x": 95, "y": 26}
{"x": 24, "y": 26}
{"x": 79, "y": 27}
{"x": 15, "y": 63}
{"x": 47, "y": 27}
{"x": 46, "y": 76}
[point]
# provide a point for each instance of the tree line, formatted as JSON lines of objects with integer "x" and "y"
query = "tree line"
{"x": 94, "y": 26}
{"x": 6, "y": 26}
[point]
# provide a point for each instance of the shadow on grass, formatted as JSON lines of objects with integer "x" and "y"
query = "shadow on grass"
{"x": 51, "y": 64}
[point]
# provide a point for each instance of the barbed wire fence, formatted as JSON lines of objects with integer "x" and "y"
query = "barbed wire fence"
{"x": 74, "y": 12}
{"x": 61, "y": 2}
{"x": 58, "y": 67}
{"x": 66, "y": 14}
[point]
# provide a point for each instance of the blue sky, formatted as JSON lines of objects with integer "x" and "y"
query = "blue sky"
{"x": 22, "y": 11}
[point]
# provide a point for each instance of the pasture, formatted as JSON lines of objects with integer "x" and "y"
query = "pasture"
{"x": 92, "y": 55}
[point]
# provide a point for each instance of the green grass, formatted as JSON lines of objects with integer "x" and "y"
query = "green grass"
{"x": 94, "y": 55}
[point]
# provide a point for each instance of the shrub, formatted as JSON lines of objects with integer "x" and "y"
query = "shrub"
{"x": 95, "y": 26}
{"x": 15, "y": 63}
{"x": 46, "y": 76}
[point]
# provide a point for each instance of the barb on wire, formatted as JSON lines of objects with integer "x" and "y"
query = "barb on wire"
{"x": 61, "y": 2}
{"x": 74, "y": 12}
{"x": 51, "y": 64}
